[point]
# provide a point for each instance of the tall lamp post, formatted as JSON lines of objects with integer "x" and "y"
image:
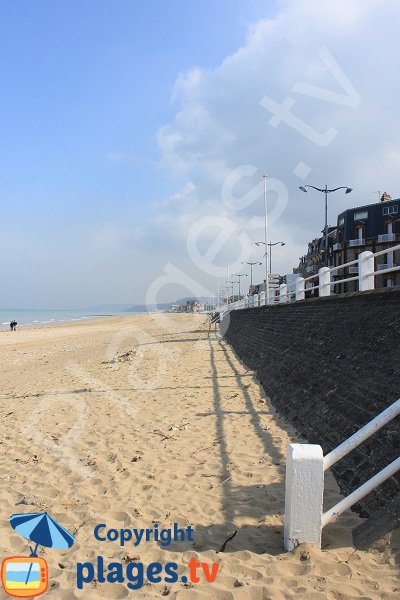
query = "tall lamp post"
{"x": 326, "y": 192}
{"x": 266, "y": 236}
{"x": 251, "y": 269}
{"x": 270, "y": 244}
{"x": 225, "y": 290}
{"x": 239, "y": 276}
{"x": 232, "y": 284}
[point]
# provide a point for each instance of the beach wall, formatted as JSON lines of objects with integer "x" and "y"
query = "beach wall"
{"x": 329, "y": 365}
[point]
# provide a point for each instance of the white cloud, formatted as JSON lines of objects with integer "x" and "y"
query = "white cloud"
{"x": 220, "y": 124}
{"x": 220, "y": 129}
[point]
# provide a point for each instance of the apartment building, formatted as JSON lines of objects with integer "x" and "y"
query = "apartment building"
{"x": 371, "y": 227}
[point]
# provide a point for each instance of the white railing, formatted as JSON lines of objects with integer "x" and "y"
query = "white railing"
{"x": 305, "y": 467}
{"x": 386, "y": 237}
{"x": 363, "y": 271}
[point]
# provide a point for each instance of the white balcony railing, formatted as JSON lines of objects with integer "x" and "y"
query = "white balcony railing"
{"x": 386, "y": 237}
{"x": 337, "y": 247}
{"x": 384, "y": 266}
{"x": 357, "y": 242}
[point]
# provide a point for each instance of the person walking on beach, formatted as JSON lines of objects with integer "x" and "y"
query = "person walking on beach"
{"x": 13, "y": 325}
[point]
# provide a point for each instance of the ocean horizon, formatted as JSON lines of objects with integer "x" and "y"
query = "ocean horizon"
{"x": 29, "y": 317}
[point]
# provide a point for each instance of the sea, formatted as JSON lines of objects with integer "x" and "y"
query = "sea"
{"x": 30, "y": 318}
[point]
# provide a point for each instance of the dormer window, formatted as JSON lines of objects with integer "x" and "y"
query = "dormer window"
{"x": 390, "y": 210}
{"x": 358, "y": 216}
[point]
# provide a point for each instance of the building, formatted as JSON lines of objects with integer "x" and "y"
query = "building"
{"x": 311, "y": 262}
{"x": 274, "y": 280}
{"x": 372, "y": 227}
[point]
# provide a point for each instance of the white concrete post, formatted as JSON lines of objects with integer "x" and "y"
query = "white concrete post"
{"x": 271, "y": 296}
{"x": 300, "y": 289}
{"x": 303, "y": 495}
{"x": 366, "y": 268}
{"x": 255, "y": 299}
{"x": 324, "y": 277}
{"x": 262, "y": 299}
{"x": 283, "y": 295}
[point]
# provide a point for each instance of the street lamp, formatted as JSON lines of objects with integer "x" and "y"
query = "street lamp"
{"x": 266, "y": 236}
{"x": 326, "y": 192}
{"x": 251, "y": 269}
{"x": 241, "y": 275}
{"x": 225, "y": 291}
{"x": 270, "y": 244}
{"x": 232, "y": 283}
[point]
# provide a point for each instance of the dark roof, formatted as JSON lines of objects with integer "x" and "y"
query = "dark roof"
{"x": 385, "y": 203}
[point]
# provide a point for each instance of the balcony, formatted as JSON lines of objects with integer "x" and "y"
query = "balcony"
{"x": 353, "y": 270}
{"x": 337, "y": 247}
{"x": 386, "y": 237}
{"x": 358, "y": 242}
{"x": 384, "y": 266}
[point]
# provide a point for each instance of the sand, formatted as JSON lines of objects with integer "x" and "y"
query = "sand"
{"x": 175, "y": 431}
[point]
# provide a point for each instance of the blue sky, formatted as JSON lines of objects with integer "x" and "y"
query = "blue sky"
{"x": 122, "y": 123}
{"x": 83, "y": 80}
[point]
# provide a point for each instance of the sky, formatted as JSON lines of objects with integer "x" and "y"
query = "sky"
{"x": 135, "y": 136}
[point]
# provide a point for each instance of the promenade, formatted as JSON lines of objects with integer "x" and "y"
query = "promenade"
{"x": 132, "y": 421}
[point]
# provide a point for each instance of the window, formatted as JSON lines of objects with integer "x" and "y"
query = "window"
{"x": 390, "y": 210}
{"x": 341, "y": 221}
{"x": 361, "y": 215}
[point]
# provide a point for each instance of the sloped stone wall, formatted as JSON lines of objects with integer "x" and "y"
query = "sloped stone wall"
{"x": 329, "y": 366}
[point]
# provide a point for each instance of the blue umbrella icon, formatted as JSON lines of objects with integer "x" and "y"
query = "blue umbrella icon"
{"x": 43, "y": 530}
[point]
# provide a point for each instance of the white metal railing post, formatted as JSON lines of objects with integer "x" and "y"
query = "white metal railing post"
{"x": 300, "y": 288}
{"x": 304, "y": 520}
{"x": 360, "y": 492}
{"x": 262, "y": 299}
{"x": 271, "y": 296}
{"x": 303, "y": 495}
{"x": 283, "y": 293}
{"x": 366, "y": 268}
{"x": 255, "y": 300}
{"x": 362, "y": 434}
{"x": 324, "y": 276}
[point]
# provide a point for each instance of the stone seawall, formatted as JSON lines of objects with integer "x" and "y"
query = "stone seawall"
{"x": 329, "y": 366}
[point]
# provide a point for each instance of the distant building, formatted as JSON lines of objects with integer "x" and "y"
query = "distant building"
{"x": 274, "y": 282}
{"x": 371, "y": 227}
{"x": 311, "y": 262}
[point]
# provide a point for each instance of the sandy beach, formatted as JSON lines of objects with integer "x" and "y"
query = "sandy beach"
{"x": 132, "y": 421}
